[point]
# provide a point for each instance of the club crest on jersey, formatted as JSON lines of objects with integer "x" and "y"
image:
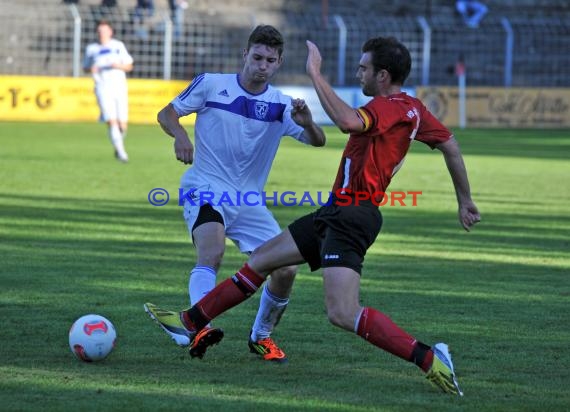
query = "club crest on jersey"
{"x": 261, "y": 109}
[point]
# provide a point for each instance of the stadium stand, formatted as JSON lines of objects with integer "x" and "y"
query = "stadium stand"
{"x": 38, "y": 38}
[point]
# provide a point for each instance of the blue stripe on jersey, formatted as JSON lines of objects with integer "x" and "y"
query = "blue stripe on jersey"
{"x": 191, "y": 87}
{"x": 104, "y": 51}
{"x": 253, "y": 109}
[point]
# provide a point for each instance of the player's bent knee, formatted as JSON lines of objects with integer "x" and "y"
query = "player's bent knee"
{"x": 286, "y": 273}
{"x": 281, "y": 281}
{"x": 340, "y": 318}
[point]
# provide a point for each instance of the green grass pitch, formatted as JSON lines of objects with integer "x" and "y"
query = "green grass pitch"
{"x": 77, "y": 236}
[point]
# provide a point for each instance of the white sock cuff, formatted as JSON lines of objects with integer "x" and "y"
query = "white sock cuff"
{"x": 278, "y": 301}
{"x": 204, "y": 270}
{"x": 357, "y": 320}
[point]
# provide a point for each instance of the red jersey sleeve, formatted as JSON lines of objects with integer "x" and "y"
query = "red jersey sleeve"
{"x": 431, "y": 131}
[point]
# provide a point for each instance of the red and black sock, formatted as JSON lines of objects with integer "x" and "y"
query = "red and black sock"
{"x": 226, "y": 295}
{"x": 379, "y": 330}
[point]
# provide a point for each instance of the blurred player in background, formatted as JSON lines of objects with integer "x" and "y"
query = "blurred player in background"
{"x": 108, "y": 61}
{"x": 240, "y": 121}
{"x": 337, "y": 236}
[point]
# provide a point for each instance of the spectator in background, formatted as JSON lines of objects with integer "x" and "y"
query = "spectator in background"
{"x": 177, "y": 4}
{"x": 471, "y": 11}
{"x": 144, "y": 8}
{"x": 108, "y": 60}
{"x": 177, "y": 8}
{"x": 460, "y": 68}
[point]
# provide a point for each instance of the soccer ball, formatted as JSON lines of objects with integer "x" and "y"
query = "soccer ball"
{"x": 92, "y": 338}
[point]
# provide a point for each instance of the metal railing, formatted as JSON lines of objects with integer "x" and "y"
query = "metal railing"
{"x": 505, "y": 51}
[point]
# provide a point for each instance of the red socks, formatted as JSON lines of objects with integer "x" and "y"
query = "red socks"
{"x": 379, "y": 330}
{"x": 226, "y": 295}
{"x": 373, "y": 325}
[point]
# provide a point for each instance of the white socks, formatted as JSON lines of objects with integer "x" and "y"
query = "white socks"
{"x": 117, "y": 140}
{"x": 202, "y": 280}
{"x": 270, "y": 310}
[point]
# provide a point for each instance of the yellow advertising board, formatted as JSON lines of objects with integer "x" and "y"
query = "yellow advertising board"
{"x": 62, "y": 99}
{"x": 500, "y": 107}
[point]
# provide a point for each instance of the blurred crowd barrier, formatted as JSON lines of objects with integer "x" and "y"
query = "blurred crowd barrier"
{"x": 47, "y": 38}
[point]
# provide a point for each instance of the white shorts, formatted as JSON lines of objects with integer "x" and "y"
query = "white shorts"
{"x": 247, "y": 226}
{"x": 113, "y": 104}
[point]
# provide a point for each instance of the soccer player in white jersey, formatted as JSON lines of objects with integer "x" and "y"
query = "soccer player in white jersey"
{"x": 108, "y": 61}
{"x": 240, "y": 121}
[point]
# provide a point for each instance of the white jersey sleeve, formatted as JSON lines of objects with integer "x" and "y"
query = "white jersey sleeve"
{"x": 88, "y": 58}
{"x": 192, "y": 98}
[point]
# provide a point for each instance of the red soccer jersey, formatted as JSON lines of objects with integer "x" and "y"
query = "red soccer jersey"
{"x": 373, "y": 156}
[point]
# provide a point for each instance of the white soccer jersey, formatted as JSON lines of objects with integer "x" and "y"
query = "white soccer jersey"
{"x": 103, "y": 56}
{"x": 237, "y": 134}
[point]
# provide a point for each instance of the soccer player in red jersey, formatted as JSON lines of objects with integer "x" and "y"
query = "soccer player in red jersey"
{"x": 337, "y": 236}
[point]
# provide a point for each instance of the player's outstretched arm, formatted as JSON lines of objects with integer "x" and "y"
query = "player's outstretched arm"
{"x": 341, "y": 113}
{"x": 468, "y": 212}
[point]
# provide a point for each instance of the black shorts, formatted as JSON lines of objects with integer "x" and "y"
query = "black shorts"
{"x": 207, "y": 214}
{"x": 337, "y": 236}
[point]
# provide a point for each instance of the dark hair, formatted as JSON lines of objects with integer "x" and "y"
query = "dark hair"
{"x": 268, "y": 36}
{"x": 104, "y": 22}
{"x": 390, "y": 55}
